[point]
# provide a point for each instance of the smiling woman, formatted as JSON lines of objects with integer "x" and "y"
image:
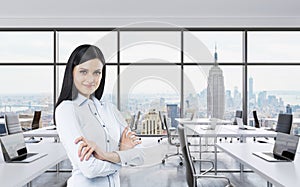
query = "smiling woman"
{"x": 94, "y": 134}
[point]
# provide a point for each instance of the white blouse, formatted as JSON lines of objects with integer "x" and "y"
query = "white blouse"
{"x": 98, "y": 122}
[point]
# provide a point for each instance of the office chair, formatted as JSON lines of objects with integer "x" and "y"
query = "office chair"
{"x": 35, "y": 125}
{"x": 172, "y": 140}
{"x": 284, "y": 123}
{"x": 256, "y": 121}
{"x": 135, "y": 121}
{"x": 132, "y": 121}
{"x": 36, "y": 120}
{"x": 13, "y": 126}
{"x": 12, "y": 123}
{"x": 198, "y": 179}
{"x": 238, "y": 114}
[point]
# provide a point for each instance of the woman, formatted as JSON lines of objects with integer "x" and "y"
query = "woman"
{"x": 94, "y": 134}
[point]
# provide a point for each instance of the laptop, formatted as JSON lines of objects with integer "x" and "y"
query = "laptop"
{"x": 284, "y": 149}
{"x": 241, "y": 125}
{"x": 14, "y": 149}
{"x": 3, "y": 128}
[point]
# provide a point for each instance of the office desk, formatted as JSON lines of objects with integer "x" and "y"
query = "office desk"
{"x": 285, "y": 174}
{"x": 19, "y": 174}
{"x": 226, "y": 131}
{"x": 43, "y": 132}
{"x": 201, "y": 121}
{"x": 229, "y": 131}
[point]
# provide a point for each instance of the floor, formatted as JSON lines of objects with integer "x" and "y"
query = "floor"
{"x": 155, "y": 174}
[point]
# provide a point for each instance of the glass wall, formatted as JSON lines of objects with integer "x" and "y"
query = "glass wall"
{"x": 178, "y": 72}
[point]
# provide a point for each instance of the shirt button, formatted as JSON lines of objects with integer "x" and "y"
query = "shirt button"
{"x": 107, "y": 141}
{"x": 103, "y": 125}
{"x": 125, "y": 163}
{"x": 95, "y": 113}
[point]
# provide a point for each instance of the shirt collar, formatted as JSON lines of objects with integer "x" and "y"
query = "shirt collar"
{"x": 80, "y": 99}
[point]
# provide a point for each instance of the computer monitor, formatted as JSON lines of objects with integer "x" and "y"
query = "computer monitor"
{"x": 3, "y": 128}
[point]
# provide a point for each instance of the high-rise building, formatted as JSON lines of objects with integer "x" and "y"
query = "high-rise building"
{"x": 289, "y": 109}
{"x": 215, "y": 91}
{"x": 173, "y": 112}
{"x": 151, "y": 123}
{"x": 251, "y": 94}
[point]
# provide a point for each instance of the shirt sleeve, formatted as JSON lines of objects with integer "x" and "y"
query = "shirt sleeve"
{"x": 133, "y": 156}
{"x": 68, "y": 130}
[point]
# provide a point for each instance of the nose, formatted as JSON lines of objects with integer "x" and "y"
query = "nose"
{"x": 90, "y": 78}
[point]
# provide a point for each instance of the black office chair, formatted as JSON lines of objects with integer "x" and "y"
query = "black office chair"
{"x": 200, "y": 179}
{"x": 284, "y": 123}
{"x": 36, "y": 120}
{"x": 172, "y": 140}
{"x": 256, "y": 121}
{"x": 35, "y": 125}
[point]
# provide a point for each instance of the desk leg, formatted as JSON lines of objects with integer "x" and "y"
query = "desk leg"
{"x": 29, "y": 184}
{"x": 241, "y": 172}
{"x": 269, "y": 184}
{"x": 200, "y": 154}
{"x": 216, "y": 159}
{"x": 57, "y": 168}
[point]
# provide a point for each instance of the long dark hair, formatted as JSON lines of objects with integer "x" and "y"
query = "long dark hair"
{"x": 80, "y": 55}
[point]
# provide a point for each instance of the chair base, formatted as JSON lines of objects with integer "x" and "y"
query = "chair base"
{"x": 172, "y": 155}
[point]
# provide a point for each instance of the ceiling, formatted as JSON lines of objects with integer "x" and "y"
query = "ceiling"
{"x": 193, "y": 13}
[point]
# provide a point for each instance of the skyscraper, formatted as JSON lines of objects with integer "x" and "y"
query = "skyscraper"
{"x": 215, "y": 90}
{"x": 289, "y": 109}
{"x": 251, "y": 88}
{"x": 173, "y": 113}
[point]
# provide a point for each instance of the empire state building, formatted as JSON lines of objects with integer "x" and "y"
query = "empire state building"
{"x": 215, "y": 91}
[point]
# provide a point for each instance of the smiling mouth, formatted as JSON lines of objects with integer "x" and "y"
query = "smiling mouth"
{"x": 89, "y": 86}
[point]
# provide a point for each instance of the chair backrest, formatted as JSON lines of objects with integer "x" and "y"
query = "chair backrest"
{"x": 238, "y": 114}
{"x": 163, "y": 120}
{"x": 284, "y": 123}
{"x": 36, "y": 120}
{"x": 132, "y": 122}
{"x": 189, "y": 165}
{"x": 256, "y": 122}
{"x": 13, "y": 123}
{"x": 137, "y": 119}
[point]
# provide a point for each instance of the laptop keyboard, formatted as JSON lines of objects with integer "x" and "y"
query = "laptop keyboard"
{"x": 274, "y": 156}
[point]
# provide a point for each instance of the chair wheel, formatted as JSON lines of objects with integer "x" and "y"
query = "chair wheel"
{"x": 180, "y": 163}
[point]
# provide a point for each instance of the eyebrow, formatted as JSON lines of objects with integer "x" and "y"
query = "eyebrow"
{"x": 88, "y": 69}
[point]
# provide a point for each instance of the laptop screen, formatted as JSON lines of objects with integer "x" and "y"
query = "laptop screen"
{"x": 286, "y": 145}
{"x": 3, "y": 128}
{"x": 14, "y": 145}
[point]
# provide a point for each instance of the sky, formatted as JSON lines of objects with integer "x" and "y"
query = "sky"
{"x": 154, "y": 47}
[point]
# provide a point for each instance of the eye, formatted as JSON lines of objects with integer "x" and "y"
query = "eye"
{"x": 83, "y": 72}
{"x": 97, "y": 73}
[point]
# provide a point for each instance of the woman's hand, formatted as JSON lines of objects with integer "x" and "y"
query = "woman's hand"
{"x": 129, "y": 140}
{"x": 88, "y": 148}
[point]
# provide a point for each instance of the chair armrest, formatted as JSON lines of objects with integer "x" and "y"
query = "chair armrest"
{"x": 209, "y": 169}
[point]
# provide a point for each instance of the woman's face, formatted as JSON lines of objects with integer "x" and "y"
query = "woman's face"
{"x": 87, "y": 76}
